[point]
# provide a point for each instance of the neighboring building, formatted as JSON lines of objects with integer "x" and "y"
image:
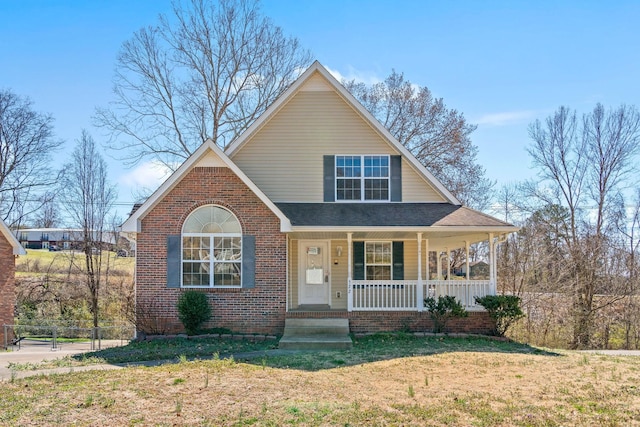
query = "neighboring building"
{"x": 57, "y": 238}
{"x": 9, "y": 249}
{"x": 315, "y": 211}
{"x": 475, "y": 268}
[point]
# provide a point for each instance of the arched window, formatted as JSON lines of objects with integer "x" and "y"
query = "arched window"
{"x": 211, "y": 248}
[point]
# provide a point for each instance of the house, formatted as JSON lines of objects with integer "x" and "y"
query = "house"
{"x": 59, "y": 238}
{"x": 316, "y": 211}
{"x": 9, "y": 249}
{"x": 475, "y": 269}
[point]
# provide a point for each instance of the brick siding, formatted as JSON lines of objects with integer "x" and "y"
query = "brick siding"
{"x": 7, "y": 286}
{"x": 257, "y": 310}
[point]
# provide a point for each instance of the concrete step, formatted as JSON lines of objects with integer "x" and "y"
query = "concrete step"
{"x": 316, "y": 327}
{"x": 316, "y": 334}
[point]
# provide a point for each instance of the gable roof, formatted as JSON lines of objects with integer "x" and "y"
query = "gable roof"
{"x": 316, "y": 67}
{"x": 8, "y": 235}
{"x": 132, "y": 224}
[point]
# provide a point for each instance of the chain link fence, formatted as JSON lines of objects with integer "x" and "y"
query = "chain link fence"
{"x": 56, "y": 333}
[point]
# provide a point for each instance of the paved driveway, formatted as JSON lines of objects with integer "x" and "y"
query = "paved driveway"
{"x": 39, "y": 351}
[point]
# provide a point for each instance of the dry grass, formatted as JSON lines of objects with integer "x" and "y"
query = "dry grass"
{"x": 38, "y": 261}
{"x": 449, "y": 388}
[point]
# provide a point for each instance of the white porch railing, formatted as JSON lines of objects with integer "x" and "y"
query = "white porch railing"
{"x": 402, "y": 295}
{"x": 384, "y": 295}
{"x": 465, "y": 291}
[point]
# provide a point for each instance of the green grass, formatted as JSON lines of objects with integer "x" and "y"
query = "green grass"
{"x": 386, "y": 346}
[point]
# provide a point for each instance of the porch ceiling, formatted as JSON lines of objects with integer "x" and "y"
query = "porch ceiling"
{"x": 444, "y": 239}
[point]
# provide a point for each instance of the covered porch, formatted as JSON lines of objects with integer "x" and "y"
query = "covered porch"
{"x": 325, "y": 273}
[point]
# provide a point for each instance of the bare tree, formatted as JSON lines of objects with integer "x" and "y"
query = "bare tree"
{"x": 208, "y": 71}
{"x": 88, "y": 198}
{"x": 48, "y": 215}
{"x": 585, "y": 164}
{"x": 26, "y": 143}
{"x": 439, "y": 137}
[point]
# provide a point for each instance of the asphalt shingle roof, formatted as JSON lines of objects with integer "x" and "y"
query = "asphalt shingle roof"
{"x": 385, "y": 215}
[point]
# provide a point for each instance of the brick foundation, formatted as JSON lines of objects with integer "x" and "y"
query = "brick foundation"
{"x": 360, "y": 322}
{"x": 7, "y": 287}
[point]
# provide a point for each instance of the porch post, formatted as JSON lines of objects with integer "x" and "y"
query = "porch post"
{"x": 492, "y": 272}
{"x": 448, "y": 264}
{"x": 419, "y": 291}
{"x": 349, "y": 273}
{"x": 426, "y": 258}
{"x": 466, "y": 247}
{"x": 439, "y": 264}
{"x": 287, "y": 300}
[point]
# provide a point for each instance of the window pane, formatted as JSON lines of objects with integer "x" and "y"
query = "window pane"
{"x": 227, "y": 274}
{"x": 195, "y": 248}
{"x": 195, "y": 274}
{"x": 378, "y": 260}
{"x": 378, "y": 272}
{"x": 211, "y": 219}
{"x": 376, "y": 189}
{"x": 348, "y": 189}
{"x": 226, "y": 248}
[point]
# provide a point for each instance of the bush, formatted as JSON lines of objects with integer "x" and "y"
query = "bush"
{"x": 193, "y": 310}
{"x": 442, "y": 310}
{"x": 503, "y": 309}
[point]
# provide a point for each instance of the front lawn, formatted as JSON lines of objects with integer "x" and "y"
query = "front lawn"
{"x": 386, "y": 380}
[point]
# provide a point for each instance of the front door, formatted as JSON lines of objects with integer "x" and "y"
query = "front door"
{"x": 314, "y": 276}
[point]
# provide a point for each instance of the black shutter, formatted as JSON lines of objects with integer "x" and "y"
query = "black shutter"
{"x": 248, "y": 262}
{"x": 396, "y": 179}
{"x": 398, "y": 260}
{"x": 174, "y": 261}
{"x": 358, "y": 260}
{"x": 329, "y": 179}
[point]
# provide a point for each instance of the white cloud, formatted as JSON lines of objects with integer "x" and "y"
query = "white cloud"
{"x": 353, "y": 74}
{"x": 505, "y": 118}
{"x": 148, "y": 175}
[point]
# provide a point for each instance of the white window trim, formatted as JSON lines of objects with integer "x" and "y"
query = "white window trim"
{"x": 366, "y": 264}
{"x": 361, "y": 178}
{"x": 212, "y": 262}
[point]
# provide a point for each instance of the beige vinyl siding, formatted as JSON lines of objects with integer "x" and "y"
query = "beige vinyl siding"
{"x": 339, "y": 276}
{"x": 285, "y": 157}
{"x": 339, "y": 270}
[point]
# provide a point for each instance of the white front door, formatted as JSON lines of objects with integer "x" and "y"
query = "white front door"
{"x": 314, "y": 277}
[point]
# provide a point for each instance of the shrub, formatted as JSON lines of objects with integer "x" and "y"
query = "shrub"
{"x": 193, "y": 310}
{"x": 442, "y": 310}
{"x": 503, "y": 309}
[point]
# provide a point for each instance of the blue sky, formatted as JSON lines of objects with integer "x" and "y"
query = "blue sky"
{"x": 503, "y": 64}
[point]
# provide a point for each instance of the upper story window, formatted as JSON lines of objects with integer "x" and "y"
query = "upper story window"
{"x": 362, "y": 178}
{"x": 45, "y": 237}
{"x": 65, "y": 235}
{"x": 24, "y": 236}
{"x": 211, "y": 248}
